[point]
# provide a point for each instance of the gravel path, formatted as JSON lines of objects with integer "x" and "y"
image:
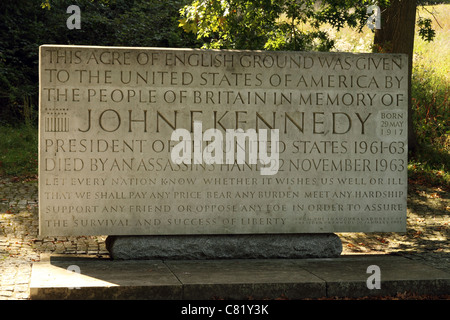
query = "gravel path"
{"x": 426, "y": 239}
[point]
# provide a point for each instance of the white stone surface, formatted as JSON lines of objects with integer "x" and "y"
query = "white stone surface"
{"x": 107, "y": 115}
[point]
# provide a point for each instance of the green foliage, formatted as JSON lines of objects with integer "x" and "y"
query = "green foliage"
{"x": 426, "y": 32}
{"x": 21, "y": 30}
{"x": 430, "y": 166}
{"x": 230, "y": 24}
{"x": 430, "y": 91}
{"x": 270, "y": 24}
{"x": 18, "y": 150}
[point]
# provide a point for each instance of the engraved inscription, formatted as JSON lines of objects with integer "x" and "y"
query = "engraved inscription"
{"x": 107, "y": 115}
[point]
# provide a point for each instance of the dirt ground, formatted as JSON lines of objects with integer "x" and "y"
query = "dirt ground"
{"x": 427, "y": 234}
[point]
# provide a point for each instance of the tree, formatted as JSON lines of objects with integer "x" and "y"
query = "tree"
{"x": 397, "y": 36}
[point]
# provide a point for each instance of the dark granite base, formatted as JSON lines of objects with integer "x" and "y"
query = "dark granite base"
{"x": 254, "y": 246}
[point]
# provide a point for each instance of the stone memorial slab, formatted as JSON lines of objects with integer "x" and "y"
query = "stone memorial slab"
{"x": 155, "y": 141}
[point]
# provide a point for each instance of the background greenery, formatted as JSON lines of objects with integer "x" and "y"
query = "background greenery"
{"x": 26, "y": 24}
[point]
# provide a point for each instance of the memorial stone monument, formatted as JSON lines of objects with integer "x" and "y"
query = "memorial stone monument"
{"x": 188, "y": 153}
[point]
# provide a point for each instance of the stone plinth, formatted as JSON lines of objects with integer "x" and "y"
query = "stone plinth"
{"x": 254, "y": 246}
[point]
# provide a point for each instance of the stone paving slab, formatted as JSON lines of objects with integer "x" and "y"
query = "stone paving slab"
{"x": 246, "y": 279}
{"x": 102, "y": 279}
{"x": 233, "y": 279}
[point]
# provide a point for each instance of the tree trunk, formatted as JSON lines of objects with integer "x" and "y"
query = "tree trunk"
{"x": 397, "y": 36}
